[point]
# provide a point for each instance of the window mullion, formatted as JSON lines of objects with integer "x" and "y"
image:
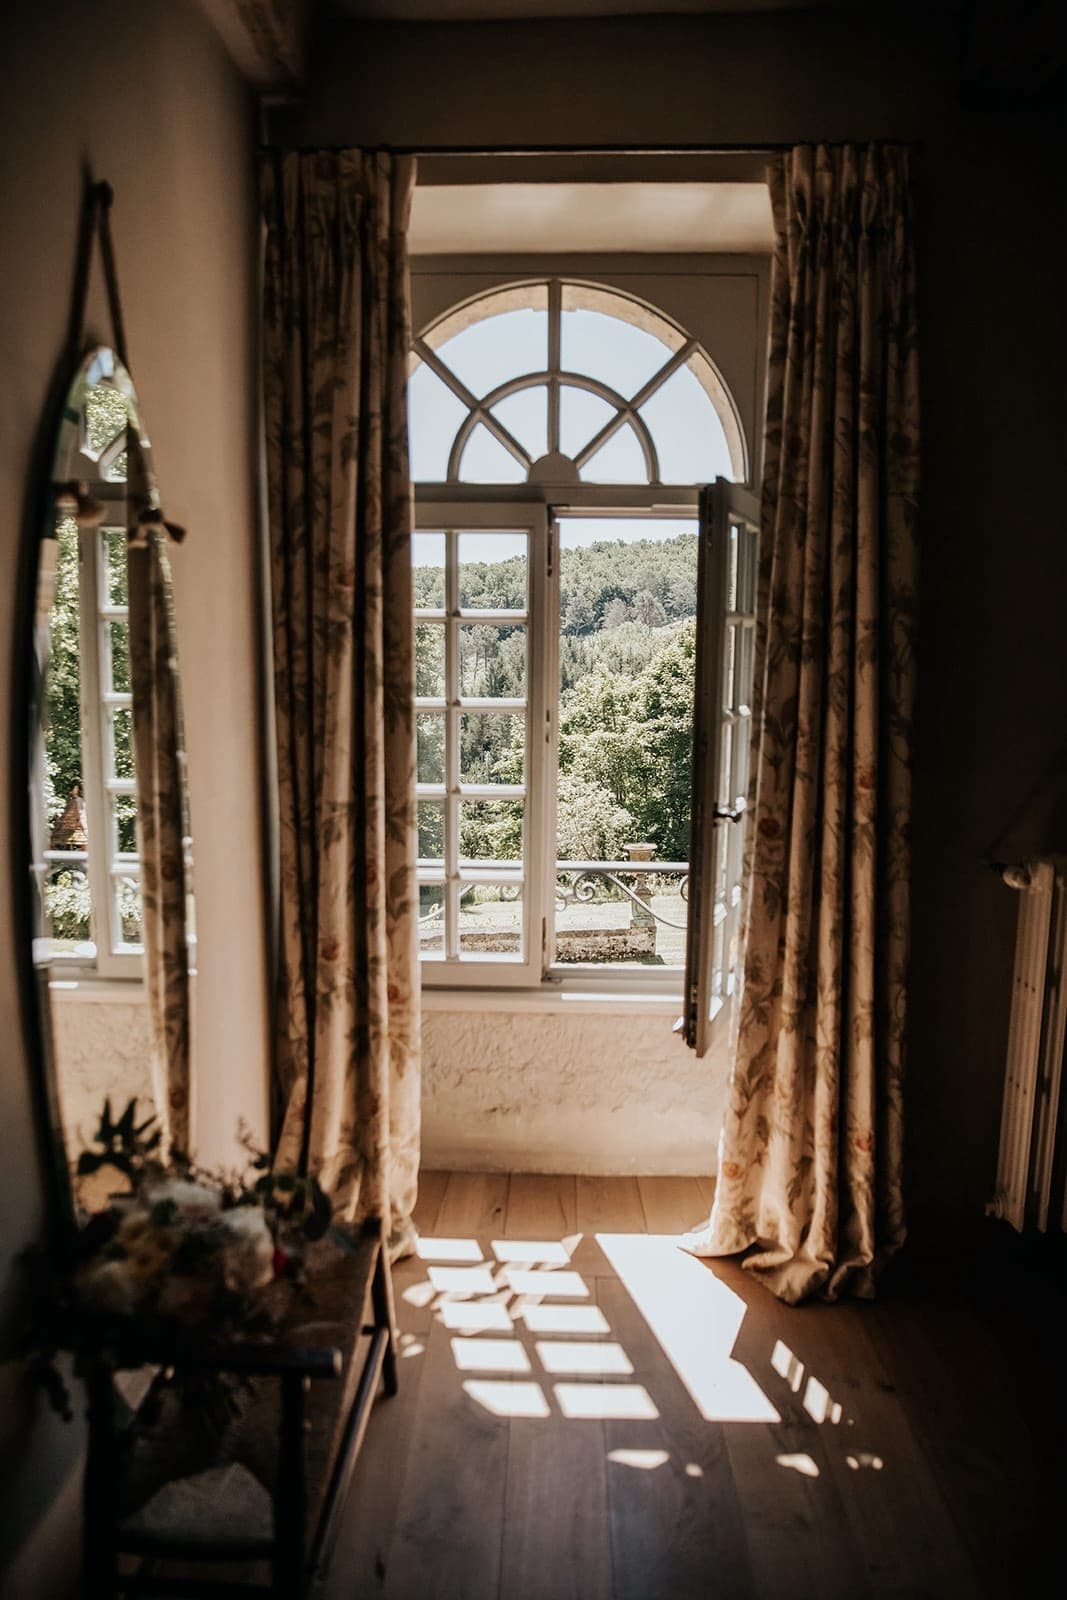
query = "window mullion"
{"x": 97, "y": 802}
{"x": 452, "y": 698}
{"x": 555, "y": 313}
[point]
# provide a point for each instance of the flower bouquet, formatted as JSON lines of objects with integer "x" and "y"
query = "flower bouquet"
{"x": 179, "y": 1254}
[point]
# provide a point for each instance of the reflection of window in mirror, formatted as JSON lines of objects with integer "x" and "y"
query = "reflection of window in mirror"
{"x": 87, "y": 857}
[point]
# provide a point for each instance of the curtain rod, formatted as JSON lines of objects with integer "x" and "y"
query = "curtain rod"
{"x": 490, "y": 152}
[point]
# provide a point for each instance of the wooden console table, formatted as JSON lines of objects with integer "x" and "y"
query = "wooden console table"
{"x": 306, "y": 1395}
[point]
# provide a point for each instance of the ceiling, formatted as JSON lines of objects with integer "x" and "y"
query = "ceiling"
{"x": 516, "y": 10}
{"x": 522, "y": 217}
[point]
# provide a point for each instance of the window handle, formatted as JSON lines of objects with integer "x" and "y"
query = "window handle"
{"x": 726, "y": 814}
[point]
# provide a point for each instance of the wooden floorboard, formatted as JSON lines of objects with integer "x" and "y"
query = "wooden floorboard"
{"x": 672, "y": 1205}
{"x": 613, "y": 1420}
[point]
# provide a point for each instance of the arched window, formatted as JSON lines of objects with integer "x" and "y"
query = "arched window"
{"x": 559, "y": 382}
{"x": 561, "y": 433}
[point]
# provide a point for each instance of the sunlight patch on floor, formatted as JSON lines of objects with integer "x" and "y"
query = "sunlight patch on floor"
{"x": 490, "y": 1355}
{"x": 601, "y": 1358}
{"x": 640, "y": 1460}
{"x": 505, "y": 1399}
{"x": 623, "y": 1402}
{"x": 696, "y": 1320}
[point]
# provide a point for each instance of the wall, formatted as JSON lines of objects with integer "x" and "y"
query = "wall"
{"x": 544, "y": 1091}
{"x": 993, "y": 685}
{"x": 144, "y": 95}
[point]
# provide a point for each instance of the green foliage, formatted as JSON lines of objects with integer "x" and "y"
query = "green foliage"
{"x": 627, "y": 639}
{"x": 63, "y": 751}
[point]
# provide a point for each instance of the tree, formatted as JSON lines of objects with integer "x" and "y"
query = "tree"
{"x": 591, "y": 826}
{"x": 648, "y": 610}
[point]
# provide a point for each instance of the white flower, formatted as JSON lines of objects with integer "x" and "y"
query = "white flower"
{"x": 193, "y": 1200}
{"x": 110, "y": 1287}
{"x": 247, "y": 1253}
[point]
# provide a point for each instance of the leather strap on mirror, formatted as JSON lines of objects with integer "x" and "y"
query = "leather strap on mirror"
{"x": 96, "y": 228}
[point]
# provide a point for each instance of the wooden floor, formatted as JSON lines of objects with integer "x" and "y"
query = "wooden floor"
{"x": 587, "y": 1413}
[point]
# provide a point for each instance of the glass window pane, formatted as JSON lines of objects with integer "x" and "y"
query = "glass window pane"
{"x": 729, "y": 666}
{"x": 726, "y": 768}
{"x": 485, "y": 460}
{"x": 620, "y": 460}
{"x": 431, "y": 919}
{"x": 430, "y": 660}
{"x": 581, "y": 417}
{"x": 689, "y": 437}
{"x": 742, "y": 734}
{"x": 722, "y": 853}
{"x": 490, "y": 830}
{"x": 118, "y": 635}
{"x": 743, "y": 683}
{"x": 525, "y": 416}
{"x": 127, "y": 891}
{"x": 499, "y": 347}
{"x": 431, "y": 830}
{"x": 731, "y": 568}
{"x": 491, "y": 747}
{"x": 718, "y": 945}
{"x": 63, "y": 749}
{"x": 434, "y": 418}
{"x": 490, "y": 922}
{"x": 122, "y": 742}
{"x": 492, "y": 571}
{"x": 492, "y": 662}
{"x": 749, "y": 572}
{"x": 114, "y": 548}
{"x": 605, "y": 347}
{"x": 67, "y": 908}
{"x": 430, "y": 747}
{"x": 106, "y": 415}
{"x": 428, "y": 571}
{"x": 124, "y": 811}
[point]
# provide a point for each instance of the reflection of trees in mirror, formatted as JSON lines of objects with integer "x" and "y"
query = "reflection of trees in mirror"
{"x": 63, "y": 750}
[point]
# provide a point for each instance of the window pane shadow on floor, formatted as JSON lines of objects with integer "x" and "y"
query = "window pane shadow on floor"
{"x": 606, "y": 1416}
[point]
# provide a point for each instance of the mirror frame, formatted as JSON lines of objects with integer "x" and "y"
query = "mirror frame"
{"x": 27, "y": 708}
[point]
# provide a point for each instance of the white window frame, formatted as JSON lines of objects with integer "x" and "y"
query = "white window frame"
{"x": 538, "y": 509}
{"x": 452, "y": 517}
{"x": 112, "y": 958}
{"x": 464, "y": 503}
{"x": 727, "y": 581}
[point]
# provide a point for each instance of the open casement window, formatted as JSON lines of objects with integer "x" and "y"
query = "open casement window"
{"x": 560, "y": 433}
{"x": 722, "y": 730}
{"x": 482, "y": 728}
{"x": 85, "y": 828}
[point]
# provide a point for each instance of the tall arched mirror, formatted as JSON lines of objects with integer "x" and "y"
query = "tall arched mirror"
{"x": 114, "y": 944}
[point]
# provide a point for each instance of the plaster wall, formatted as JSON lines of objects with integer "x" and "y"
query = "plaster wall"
{"x": 536, "y": 1092}
{"x": 993, "y": 650}
{"x": 143, "y": 95}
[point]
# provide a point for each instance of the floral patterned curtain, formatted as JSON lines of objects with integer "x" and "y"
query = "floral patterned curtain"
{"x": 810, "y": 1152}
{"x": 162, "y": 810}
{"x": 336, "y": 342}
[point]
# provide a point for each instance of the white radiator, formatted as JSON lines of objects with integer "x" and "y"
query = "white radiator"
{"x": 1031, "y": 1166}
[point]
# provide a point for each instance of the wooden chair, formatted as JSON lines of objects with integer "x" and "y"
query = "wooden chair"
{"x": 299, "y": 1432}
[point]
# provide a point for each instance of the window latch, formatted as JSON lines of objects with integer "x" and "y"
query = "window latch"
{"x": 728, "y": 814}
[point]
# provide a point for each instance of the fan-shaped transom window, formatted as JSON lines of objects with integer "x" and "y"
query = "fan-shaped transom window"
{"x": 558, "y": 382}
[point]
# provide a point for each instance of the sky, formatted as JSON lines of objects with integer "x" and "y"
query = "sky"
{"x": 428, "y": 548}
{"x": 685, "y": 427}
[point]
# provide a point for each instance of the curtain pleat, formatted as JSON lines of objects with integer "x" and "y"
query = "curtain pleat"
{"x": 336, "y": 342}
{"x": 162, "y": 809}
{"x": 811, "y": 1147}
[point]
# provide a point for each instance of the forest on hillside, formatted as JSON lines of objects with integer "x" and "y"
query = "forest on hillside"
{"x": 627, "y": 638}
